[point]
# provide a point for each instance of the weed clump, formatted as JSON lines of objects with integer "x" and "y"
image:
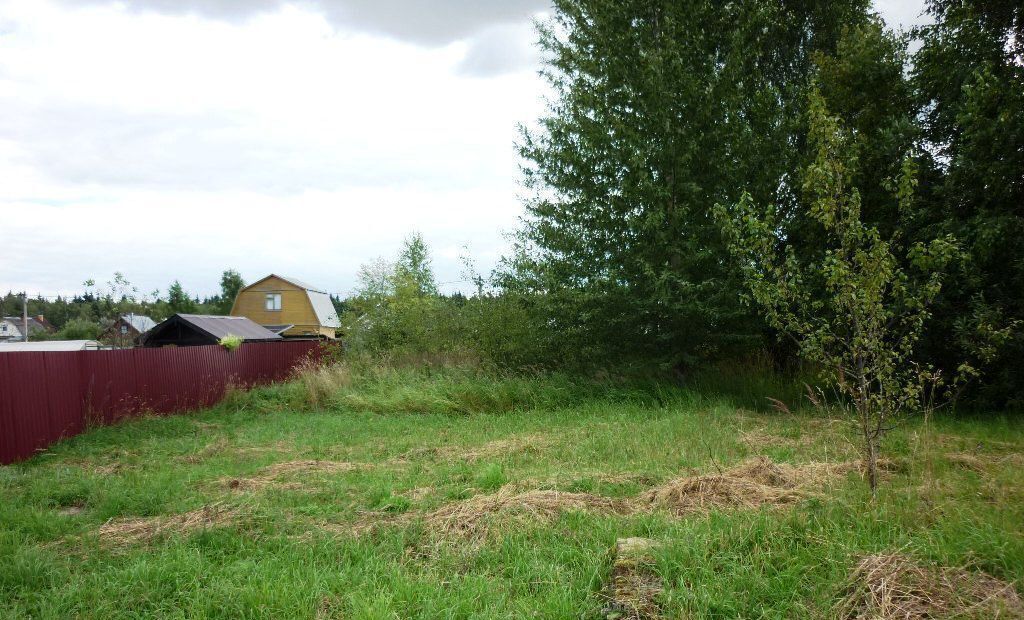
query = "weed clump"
{"x": 893, "y": 586}
{"x": 320, "y": 383}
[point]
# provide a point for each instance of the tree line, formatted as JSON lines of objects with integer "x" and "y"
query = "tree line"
{"x": 86, "y": 316}
{"x": 681, "y": 135}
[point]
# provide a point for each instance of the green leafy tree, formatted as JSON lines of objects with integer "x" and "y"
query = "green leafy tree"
{"x": 79, "y": 329}
{"x": 414, "y": 269}
{"x": 178, "y": 300}
{"x": 969, "y": 75}
{"x": 396, "y": 307}
{"x": 117, "y": 298}
{"x": 230, "y": 283}
{"x": 855, "y": 311}
{"x": 660, "y": 111}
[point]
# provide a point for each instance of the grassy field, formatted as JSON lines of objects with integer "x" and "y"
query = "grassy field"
{"x": 413, "y": 494}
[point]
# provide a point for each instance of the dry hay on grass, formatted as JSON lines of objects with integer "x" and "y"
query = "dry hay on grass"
{"x": 214, "y": 448}
{"x": 632, "y": 591}
{"x": 974, "y": 444}
{"x": 271, "y": 475}
{"x": 893, "y": 586}
{"x": 754, "y": 483}
{"x": 473, "y": 517}
{"x": 562, "y": 480}
{"x": 982, "y": 463}
{"x": 520, "y": 444}
{"x": 136, "y": 530}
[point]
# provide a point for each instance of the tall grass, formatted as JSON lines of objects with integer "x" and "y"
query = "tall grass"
{"x": 387, "y": 387}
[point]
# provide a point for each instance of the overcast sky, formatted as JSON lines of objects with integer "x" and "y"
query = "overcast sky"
{"x": 177, "y": 138}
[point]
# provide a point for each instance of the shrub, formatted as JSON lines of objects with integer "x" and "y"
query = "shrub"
{"x": 231, "y": 342}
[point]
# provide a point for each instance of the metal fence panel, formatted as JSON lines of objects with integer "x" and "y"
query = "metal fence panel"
{"x": 47, "y": 396}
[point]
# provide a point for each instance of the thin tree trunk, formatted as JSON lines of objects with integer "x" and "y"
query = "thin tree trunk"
{"x": 872, "y": 465}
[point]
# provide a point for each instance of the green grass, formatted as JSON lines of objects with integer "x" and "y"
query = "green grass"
{"x": 421, "y": 440}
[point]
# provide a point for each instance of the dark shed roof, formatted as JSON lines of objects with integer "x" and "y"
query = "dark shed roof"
{"x": 199, "y": 329}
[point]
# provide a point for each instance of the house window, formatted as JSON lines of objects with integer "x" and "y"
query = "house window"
{"x": 124, "y": 329}
{"x": 273, "y": 301}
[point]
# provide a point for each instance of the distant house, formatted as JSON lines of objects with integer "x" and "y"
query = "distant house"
{"x": 128, "y": 327}
{"x": 288, "y": 307}
{"x": 190, "y": 330}
{"x": 50, "y": 345}
{"x": 13, "y": 331}
{"x": 9, "y": 330}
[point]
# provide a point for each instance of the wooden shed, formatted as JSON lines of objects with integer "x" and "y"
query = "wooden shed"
{"x": 192, "y": 330}
{"x": 288, "y": 307}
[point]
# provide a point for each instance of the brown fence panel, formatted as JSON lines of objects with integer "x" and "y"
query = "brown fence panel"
{"x": 45, "y": 396}
{"x": 29, "y": 402}
{"x": 63, "y": 384}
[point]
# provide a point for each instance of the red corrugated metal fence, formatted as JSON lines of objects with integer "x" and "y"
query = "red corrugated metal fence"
{"x": 46, "y": 396}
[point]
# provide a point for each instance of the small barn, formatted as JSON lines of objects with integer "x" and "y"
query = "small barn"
{"x": 288, "y": 307}
{"x": 191, "y": 330}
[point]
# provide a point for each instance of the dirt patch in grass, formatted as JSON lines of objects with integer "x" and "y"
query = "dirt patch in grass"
{"x": 138, "y": 530}
{"x": 893, "y": 586}
{"x": 271, "y": 475}
{"x": 473, "y": 517}
{"x": 633, "y": 589}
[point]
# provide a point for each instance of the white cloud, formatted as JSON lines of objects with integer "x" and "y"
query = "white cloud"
{"x": 176, "y": 146}
{"x": 176, "y": 138}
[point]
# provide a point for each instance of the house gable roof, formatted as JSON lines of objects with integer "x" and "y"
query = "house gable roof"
{"x": 321, "y": 302}
{"x": 34, "y": 324}
{"x": 214, "y": 327}
{"x": 139, "y": 322}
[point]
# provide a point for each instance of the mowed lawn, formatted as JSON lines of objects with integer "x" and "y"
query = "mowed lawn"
{"x": 466, "y": 497}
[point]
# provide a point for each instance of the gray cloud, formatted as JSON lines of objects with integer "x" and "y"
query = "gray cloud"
{"x": 423, "y": 22}
{"x": 500, "y": 49}
{"x": 427, "y": 22}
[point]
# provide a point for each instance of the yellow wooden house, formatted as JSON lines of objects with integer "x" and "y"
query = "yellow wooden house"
{"x": 288, "y": 307}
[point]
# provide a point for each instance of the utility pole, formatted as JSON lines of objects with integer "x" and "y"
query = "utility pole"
{"x": 24, "y": 316}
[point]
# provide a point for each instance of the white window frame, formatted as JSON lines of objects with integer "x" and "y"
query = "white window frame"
{"x": 272, "y": 302}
